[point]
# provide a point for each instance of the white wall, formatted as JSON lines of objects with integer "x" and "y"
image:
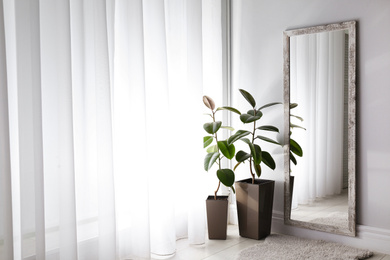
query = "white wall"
{"x": 257, "y": 60}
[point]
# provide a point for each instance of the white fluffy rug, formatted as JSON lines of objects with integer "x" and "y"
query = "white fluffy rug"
{"x": 282, "y": 247}
{"x": 338, "y": 219}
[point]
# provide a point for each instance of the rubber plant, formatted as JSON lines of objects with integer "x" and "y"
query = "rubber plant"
{"x": 256, "y": 155}
{"x": 294, "y": 146}
{"x": 216, "y": 147}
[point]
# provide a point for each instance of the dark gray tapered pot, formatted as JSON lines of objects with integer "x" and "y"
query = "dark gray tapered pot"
{"x": 254, "y": 207}
{"x": 217, "y": 211}
{"x": 291, "y": 190}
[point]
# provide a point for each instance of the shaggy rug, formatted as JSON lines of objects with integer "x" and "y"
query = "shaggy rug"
{"x": 277, "y": 247}
{"x": 338, "y": 219}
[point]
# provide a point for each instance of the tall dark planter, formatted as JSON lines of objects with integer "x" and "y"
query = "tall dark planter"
{"x": 217, "y": 211}
{"x": 291, "y": 190}
{"x": 254, "y": 207}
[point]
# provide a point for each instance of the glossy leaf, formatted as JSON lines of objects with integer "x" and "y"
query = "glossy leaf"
{"x": 268, "y": 160}
{"x": 293, "y": 105}
{"x": 258, "y": 170}
{"x": 210, "y": 159}
{"x": 231, "y": 109}
{"x": 212, "y": 149}
{"x": 226, "y": 176}
{"x": 248, "y": 97}
{"x": 237, "y": 136}
{"x": 242, "y": 156}
{"x": 295, "y": 148}
{"x": 255, "y": 150}
{"x": 269, "y": 105}
{"x": 246, "y": 140}
{"x": 228, "y": 128}
{"x": 257, "y": 155}
{"x": 254, "y": 112}
{"x": 246, "y": 118}
{"x": 267, "y": 139}
{"x": 235, "y": 167}
{"x": 292, "y": 158}
{"x": 296, "y": 126}
{"x": 269, "y": 128}
{"x": 227, "y": 150}
{"x": 298, "y": 117}
{"x": 207, "y": 140}
{"x": 209, "y": 102}
{"x": 232, "y": 187}
{"x": 212, "y": 127}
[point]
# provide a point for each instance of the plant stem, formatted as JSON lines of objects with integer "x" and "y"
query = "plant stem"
{"x": 253, "y": 141}
{"x": 215, "y": 193}
{"x": 251, "y": 171}
{"x": 219, "y": 159}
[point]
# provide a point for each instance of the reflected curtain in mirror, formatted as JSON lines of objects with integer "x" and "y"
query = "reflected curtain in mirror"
{"x": 317, "y": 85}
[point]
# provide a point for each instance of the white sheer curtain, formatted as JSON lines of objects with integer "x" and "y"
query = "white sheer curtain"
{"x": 317, "y": 85}
{"x": 100, "y": 119}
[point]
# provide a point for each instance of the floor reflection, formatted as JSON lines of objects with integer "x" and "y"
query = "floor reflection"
{"x": 331, "y": 211}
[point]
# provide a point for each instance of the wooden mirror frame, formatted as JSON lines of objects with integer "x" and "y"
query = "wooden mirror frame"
{"x": 351, "y": 27}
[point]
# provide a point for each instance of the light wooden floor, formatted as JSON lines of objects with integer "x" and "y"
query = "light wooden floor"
{"x": 224, "y": 249}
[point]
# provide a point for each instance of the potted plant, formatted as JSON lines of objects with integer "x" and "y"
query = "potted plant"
{"x": 254, "y": 196}
{"x": 217, "y": 206}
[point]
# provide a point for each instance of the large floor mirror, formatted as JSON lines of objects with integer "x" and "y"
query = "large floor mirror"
{"x": 319, "y": 108}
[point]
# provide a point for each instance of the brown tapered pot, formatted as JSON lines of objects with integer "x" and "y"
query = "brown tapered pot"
{"x": 217, "y": 211}
{"x": 254, "y": 207}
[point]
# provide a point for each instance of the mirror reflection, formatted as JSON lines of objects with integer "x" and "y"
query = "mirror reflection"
{"x": 320, "y": 80}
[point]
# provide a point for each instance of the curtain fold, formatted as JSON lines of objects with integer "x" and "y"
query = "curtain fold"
{"x": 317, "y": 85}
{"x": 100, "y": 120}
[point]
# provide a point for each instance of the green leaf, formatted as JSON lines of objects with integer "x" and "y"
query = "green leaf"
{"x": 267, "y": 139}
{"x": 296, "y": 126}
{"x": 257, "y": 155}
{"x": 227, "y": 150}
{"x": 255, "y": 150}
{"x": 268, "y": 128}
{"x": 231, "y": 109}
{"x": 269, "y": 105}
{"x": 207, "y": 140}
{"x": 228, "y": 128}
{"x": 246, "y": 118}
{"x": 235, "y": 167}
{"x": 258, "y": 170}
{"x": 293, "y": 105}
{"x": 212, "y": 127}
{"x": 248, "y": 97}
{"x": 232, "y": 187}
{"x": 292, "y": 158}
{"x": 268, "y": 160}
{"x": 237, "y": 136}
{"x": 226, "y": 176}
{"x": 246, "y": 140}
{"x": 254, "y": 112}
{"x": 212, "y": 149}
{"x": 209, "y": 102}
{"x": 300, "y": 118}
{"x": 210, "y": 159}
{"x": 242, "y": 156}
{"x": 295, "y": 148}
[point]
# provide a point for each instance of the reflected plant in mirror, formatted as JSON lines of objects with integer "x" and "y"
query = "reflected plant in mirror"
{"x": 295, "y": 148}
{"x": 319, "y": 75}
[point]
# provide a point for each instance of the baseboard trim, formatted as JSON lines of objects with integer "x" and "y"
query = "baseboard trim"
{"x": 371, "y": 238}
